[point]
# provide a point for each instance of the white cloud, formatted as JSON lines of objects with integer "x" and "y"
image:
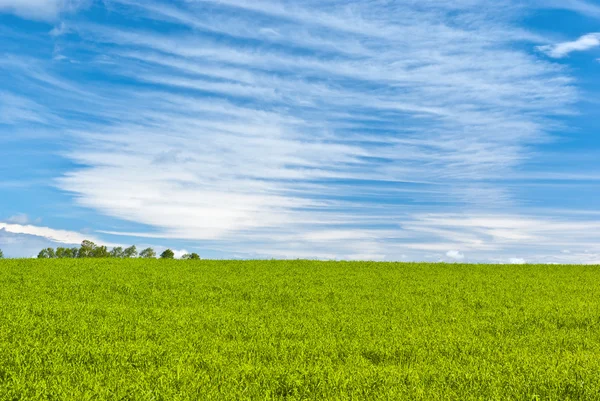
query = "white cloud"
{"x": 517, "y": 261}
{"x": 59, "y": 236}
{"x": 179, "y": 253}
{"x": 455, "y": 255}
{"x": 561, "y": 50}
{"x": 39, "y": 9}
{"x": 22, "y": 245}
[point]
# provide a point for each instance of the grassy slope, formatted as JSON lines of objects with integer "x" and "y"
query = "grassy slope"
{"x": 154, "y": 330}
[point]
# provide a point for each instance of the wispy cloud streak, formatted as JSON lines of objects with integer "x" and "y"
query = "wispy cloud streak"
{"x": 40, "y": 9}
{"x": 560, "y": 50}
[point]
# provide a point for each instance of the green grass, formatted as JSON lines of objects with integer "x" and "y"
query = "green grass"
{"x": 297, "y": 330}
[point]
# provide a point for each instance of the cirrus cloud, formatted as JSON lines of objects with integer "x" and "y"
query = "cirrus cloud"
{"x": 40, "y": 9}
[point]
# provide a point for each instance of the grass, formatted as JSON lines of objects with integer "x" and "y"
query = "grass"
{"x": 297, "y": 330}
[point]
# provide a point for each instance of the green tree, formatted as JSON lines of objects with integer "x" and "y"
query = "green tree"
{"x": 148, "y": 253}
{"x": 100, "y": 252}
{"x": 1, "y": 254}
{"x": 47, "y": 253}
{"x": 130, "y": 252}
{"x": 86, "y": 250}
{"x": 168, "y": 254}
{"x": 117, "y": 252}
{"x": 66, "y": 253}
{"x": 71, "y": 253}
{"x": 60, "y": 252}
{"x": 191, "y": 256}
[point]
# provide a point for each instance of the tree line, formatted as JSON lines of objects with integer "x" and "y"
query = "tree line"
{"x": 90, "y": 250}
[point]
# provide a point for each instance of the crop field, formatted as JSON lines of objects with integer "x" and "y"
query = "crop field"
{"x": 297, "y": 330}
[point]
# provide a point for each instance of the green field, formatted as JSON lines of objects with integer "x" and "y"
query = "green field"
{"x": 297, "y": 330}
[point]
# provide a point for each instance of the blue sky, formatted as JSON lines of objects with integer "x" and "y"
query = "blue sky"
{"x": 409, "y": 130}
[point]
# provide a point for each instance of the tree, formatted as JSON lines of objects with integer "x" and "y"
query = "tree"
{"x": 130, "y": 252}
{"x": 66, "y": 253}
{"x": 60, "y": 252}
{"x": 148, "y": 253}
{"x": 191, "y": 256}
{"x": 1, "y": 254}
{"x": 86, "y": 250}
{"x": 71, "y": 253}
{"x": 100, "y": 252}
{"x": 117, "y": 252}
{"x": 47, "y": 253}
{"x": 168, "y": 254}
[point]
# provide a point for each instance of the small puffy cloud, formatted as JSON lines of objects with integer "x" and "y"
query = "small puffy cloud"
{"x": 179, "y": 253}
{"x": 456, "y": 255}
{"x": 517, "y": 261}
{"x": 560, "y": 50}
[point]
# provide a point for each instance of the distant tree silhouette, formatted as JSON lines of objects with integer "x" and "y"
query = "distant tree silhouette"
{"x": 130, "y": 252}
{"x": 60, "y": 252}
{"x": 117, "y": 252}
{"x": 148, "y": 253}
{"x": 100, "y": 252}
{"x": 191, "y": 256}
{"x": 86, "y": 250}
{"x": 47, "y": 253}
{"x": 66, "y": 253}
{"x": 1, "y": 254}
{"x": 168, "y": 254}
